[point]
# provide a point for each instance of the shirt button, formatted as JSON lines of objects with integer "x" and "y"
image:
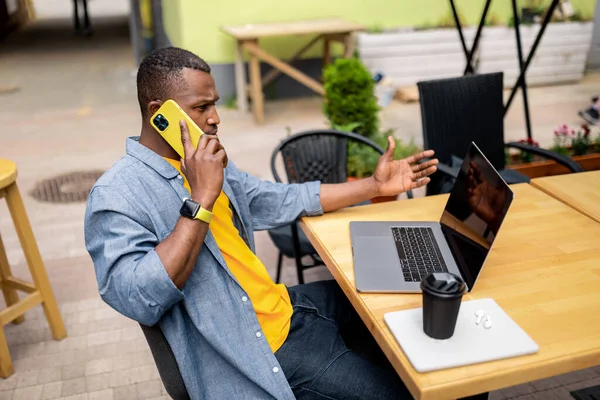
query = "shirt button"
{"x": 244, "y": 298}
{"x": 179, "y": 177}
{"x": 258, "y": 334}
{"x": 275, "y": 369}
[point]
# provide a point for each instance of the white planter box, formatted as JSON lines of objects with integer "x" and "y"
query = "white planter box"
{"x": 410, "y": 56}
{"x": 560, "y": 57}
{"x": 407, "y": 57}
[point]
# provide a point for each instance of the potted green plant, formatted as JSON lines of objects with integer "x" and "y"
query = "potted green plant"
{"x": 524, "y": 156}
{"x": 350, "y": 97}
{"x": 531, "y": 11}
{"x": 562, "y": 139}
{"x": 582, "y": 141}
{"x": 350, "y": 105}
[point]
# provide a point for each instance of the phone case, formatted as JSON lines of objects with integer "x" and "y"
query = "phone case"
{"x": 166, "y": 122}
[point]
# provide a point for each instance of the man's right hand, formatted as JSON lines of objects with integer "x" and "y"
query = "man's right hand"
{"x": 203, "y": 166}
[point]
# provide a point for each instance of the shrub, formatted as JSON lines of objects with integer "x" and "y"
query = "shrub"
{"x": 349, "y": 96}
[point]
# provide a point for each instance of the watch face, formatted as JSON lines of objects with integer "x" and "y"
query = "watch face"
{"x": 189, "y": 208}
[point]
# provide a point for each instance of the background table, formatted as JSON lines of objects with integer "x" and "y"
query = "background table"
{"x": 544, "y": 271}
{"x": 247, "y": 36}
{"x": 580, "y": 191}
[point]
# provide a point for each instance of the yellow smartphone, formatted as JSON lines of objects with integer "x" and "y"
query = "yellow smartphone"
{"x": 166, "y": 122}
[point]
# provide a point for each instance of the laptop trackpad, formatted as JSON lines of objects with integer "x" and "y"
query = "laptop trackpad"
{"x": 376, "y": 253}
{"x": 376, "y": 265}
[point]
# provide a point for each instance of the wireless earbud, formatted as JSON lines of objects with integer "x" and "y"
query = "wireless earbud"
{"x": 488, "y": 322}
{"x": 479, "y": 314}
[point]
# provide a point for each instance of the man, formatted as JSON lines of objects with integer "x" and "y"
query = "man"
{"x": 592, "y": 114}
{"x": 234, "y": 333}
{"x": 87, "y": 25}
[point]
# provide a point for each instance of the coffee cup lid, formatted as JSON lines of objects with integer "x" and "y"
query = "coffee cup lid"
{"x": 443, "y": 283}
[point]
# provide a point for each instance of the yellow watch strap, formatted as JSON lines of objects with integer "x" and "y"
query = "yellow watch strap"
{"x": 203, "y": 215}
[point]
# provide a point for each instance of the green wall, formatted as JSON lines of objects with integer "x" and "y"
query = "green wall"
{"x": 171, "y": 10}
{"x": 195, "y": 25}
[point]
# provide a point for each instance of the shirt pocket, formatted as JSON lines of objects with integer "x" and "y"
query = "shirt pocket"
{"x": 204, "y": 268}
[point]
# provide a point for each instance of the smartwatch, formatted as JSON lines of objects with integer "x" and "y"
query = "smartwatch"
{"x": 192, "y": 210}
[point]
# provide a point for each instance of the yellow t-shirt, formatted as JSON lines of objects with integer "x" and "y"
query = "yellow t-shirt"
{"x": 271, "y": 302}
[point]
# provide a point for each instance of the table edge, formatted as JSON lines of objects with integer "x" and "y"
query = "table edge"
{"x": 542, "y": 186}
{"x": 357, "y": 28}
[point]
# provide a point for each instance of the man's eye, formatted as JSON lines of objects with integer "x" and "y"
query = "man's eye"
{"x": 201, "y": 108}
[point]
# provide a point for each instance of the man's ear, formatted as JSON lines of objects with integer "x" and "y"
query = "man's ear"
{"x": 154, "y": 105}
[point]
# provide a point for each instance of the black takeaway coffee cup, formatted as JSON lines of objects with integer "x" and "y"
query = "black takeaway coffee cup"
{"x": 442, "y": 295}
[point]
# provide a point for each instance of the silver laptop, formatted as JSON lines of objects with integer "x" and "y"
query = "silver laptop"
{"x": 394, "y": 256}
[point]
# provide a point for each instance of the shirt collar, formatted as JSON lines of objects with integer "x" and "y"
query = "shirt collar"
{"x": 150, "y": 158}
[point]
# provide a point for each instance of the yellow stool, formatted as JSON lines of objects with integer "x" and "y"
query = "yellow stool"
{"x": 40, "y": 292}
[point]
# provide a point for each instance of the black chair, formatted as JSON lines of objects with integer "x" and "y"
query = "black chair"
{"x": 165, "y": 362}
{"x": 313, "y": 155}
{"x": 457, "y": 111}
{"x": 169, "y": 370}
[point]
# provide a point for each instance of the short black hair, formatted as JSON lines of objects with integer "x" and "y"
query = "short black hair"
{"x": 161, "y": 72}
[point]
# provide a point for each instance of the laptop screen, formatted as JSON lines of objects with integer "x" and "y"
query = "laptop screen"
{"x": 475, "y": 210}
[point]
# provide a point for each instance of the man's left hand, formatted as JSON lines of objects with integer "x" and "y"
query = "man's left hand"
{"x": 393, "y": 177}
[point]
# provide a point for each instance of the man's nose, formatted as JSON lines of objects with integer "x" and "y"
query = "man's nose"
{"x": 213, "y": 118}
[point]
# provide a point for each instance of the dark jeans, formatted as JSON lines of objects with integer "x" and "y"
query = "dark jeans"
{"x": 330, "y": 354}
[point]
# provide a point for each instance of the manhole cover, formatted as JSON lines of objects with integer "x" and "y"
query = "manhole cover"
{"x": 67, "y": 188}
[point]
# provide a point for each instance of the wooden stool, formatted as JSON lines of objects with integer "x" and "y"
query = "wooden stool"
{"x": 40, "y": 292}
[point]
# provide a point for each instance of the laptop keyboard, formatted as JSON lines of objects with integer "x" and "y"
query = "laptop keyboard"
{"x": 418, "y": 252}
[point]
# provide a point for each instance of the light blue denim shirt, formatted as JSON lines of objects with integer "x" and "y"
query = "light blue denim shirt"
{"x": 210, "y": 324}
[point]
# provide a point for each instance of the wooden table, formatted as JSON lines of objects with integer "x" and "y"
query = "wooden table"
{"x": 544, "y": 271}
{"x": 580, "y": 191}
{"x": 247, "y": 37}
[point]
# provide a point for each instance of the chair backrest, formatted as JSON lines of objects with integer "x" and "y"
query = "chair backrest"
{"x": 317, "y": 155}
{"x": 456, "y": 111}
{"x": 165, "y": 362}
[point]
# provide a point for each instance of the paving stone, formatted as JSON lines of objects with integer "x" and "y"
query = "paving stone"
{"x": 95, "y": 383}
{"x": 496, "y": 395}
{"x": 128, "y": 392}
{"x": 561, "y": 393}
{"x": 28, "y": 379}
{"x": 73, "y": 371}
{"x": 524, "y": 389}
{"x": 52, "y": 391}
{"x": 544, "y": 395}
{"x": 149, "y": 389}
{"x": 29, "y": 393}
{"x": 100, "y": 366}
{"x": 544, "y": 384}
{"x": 101, "y": 395}
{"x": 83, "y": 396}
{"x": 575, "y": 376}
{"x": 73, "y": 387}
{"x": 9, "y": 383}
